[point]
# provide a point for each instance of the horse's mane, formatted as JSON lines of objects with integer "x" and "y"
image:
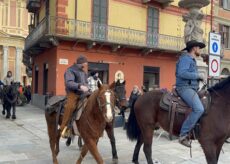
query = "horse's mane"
{"x": 220, "y": 85}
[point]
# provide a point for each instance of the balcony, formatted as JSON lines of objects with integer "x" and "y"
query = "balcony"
{"x": 69, "y": 29}
{"x": 163, "y": 2}
{"x": 33, "y": 5}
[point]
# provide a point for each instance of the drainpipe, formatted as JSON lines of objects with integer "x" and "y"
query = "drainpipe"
{"x": 212, "y": 3}
{"x": 75, "y": 21}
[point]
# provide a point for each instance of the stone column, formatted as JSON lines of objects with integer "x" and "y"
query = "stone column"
{"x": 193, "y": 30}
{"x": 18, "y": 59}
{"x": 5, "y": 61}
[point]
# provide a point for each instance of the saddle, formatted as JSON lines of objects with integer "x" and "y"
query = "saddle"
{"x": 174, "y": 104}
{"x": 57, "y": 104}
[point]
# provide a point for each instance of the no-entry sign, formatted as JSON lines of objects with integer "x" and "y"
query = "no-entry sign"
{"x": 214, "y": 65}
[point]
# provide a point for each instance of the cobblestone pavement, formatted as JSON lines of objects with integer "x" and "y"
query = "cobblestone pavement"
{"x": 25, "y": 141}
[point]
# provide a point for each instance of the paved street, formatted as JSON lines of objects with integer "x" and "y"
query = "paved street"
{"x": 25, "y": 141}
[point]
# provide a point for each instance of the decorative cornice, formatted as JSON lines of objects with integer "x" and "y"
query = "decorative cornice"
{"x": 12, "y": 42}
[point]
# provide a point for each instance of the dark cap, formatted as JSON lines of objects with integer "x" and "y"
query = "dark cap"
{"x": 81, "y": 59}
{"x": 193, "y": 43}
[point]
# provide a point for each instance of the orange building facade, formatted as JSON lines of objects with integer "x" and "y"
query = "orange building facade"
{"x": 139, "y": 40}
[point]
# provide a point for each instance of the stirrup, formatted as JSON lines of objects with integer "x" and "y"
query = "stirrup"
{"x": 65, "y": 133}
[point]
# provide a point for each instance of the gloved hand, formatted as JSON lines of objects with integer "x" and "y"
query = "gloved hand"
{"x": 201, "y": 77}
{"x": 84, "y": 88}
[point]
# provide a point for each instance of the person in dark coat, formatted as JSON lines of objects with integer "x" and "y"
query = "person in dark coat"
{"x": 76, "y": 85}
{"x": 132, "y": 99}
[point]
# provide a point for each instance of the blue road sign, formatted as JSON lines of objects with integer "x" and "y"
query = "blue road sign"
{"x": 215, "y": 47}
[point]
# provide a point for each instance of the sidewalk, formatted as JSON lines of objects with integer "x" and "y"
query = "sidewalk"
{"x": 25, "y": 141}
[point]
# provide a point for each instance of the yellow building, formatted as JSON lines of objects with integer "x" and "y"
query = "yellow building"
{"x": 14, "y": 20}
{"x": 140, "y": 38}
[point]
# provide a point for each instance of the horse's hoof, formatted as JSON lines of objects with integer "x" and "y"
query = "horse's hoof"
{"x": 135, "y": 161}
{"x": 7, "y": 117}
{"x": 115, "y": 160}
{"x": 13, "y": 117}
{"x": 3, "y": 112}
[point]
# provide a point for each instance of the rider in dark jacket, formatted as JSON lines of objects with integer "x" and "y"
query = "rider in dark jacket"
{"x": 76, "y": 85}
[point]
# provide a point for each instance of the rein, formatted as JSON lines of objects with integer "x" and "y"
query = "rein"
{"x": 100, "y": 105}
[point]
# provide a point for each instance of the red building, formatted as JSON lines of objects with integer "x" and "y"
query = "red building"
{"x": 143, "y": 57}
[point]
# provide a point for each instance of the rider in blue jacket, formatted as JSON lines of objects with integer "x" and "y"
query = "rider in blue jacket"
{"x": 187, "y": 84}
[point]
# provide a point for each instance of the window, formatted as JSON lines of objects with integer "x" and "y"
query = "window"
{"x": 153, "y": 26}
{"x": 225, "y": 4}
{"x": 36, "y": 79}
{"x": 100, "y": 18}
{"x": 224, "y": 31}
{"x": 19, "y": 17}
{"x": 151, "y": 77}
{"x": 45, "y": 78}
{"x": 153, "y": 20}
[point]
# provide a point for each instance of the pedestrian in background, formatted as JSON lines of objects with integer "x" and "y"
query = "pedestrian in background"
{"x": 8, "y": 79}
{"x": 93, "y": 80}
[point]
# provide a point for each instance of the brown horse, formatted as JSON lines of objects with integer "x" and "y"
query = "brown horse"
{"x": 121, "y": 103}
{"x": 93, "y": 118}
{"x": 214, "y": 126}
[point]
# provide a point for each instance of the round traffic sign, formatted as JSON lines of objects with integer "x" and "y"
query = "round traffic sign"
{"x": 214, "y": 66}
{"x": 215, "y": 47}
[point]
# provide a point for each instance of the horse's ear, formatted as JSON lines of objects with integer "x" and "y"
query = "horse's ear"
{"x": 99, "y": 84}
{"x": 112, "y": 86}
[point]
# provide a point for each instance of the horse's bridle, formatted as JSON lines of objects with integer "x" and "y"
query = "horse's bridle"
{"x": 106, "y": 103}
{"x": 118, "y": 99}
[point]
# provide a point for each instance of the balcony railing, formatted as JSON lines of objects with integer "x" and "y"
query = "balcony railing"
{"x": 72, "y": 29}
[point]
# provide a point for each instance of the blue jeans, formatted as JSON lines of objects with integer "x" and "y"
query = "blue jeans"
{"x": 191, "y": 97}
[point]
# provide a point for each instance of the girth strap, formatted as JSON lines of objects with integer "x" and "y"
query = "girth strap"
{"x": 172, "y": 117}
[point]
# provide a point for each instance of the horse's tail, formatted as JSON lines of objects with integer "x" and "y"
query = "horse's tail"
{"x": 133, "y": 129}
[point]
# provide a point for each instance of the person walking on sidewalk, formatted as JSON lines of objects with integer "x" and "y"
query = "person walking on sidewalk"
{"x": 187, "y": 84}
{"x": 8, "y": 79}
{"x": 76, "y": 85}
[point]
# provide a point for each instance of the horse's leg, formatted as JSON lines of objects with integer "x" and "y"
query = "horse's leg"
{"x": 148, "y": 137}
{"x": 14, "y": 111}
{"x": 3, "y": 108}
{"x": 53, "y": 138}
{"x": 219, "y": 147}
{"x": 92, "y": 146}
{"x": 137, "y": 150}
{"x": 79, "y": 142}
{"x": 110, "y": 132}
{"x": 8, "y": 108}
{"x": 84, "y": 151}
{"x": 58, "y": 135}
{"x": 210, "y": 151}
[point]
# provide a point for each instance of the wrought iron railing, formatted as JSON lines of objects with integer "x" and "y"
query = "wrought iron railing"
{"x": 36, "y": 34}
{"x": 70, "y": 28}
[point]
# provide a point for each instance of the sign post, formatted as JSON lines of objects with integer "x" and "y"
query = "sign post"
{"x": 214, "y": 55}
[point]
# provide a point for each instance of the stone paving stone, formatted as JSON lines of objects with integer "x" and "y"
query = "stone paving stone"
{"x": 25, "y": 141}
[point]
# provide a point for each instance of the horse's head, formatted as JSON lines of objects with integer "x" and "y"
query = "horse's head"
{"x": 12, "y": 90}
{"x": 120, "y": 92}
{"x": 106, "y": 101}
